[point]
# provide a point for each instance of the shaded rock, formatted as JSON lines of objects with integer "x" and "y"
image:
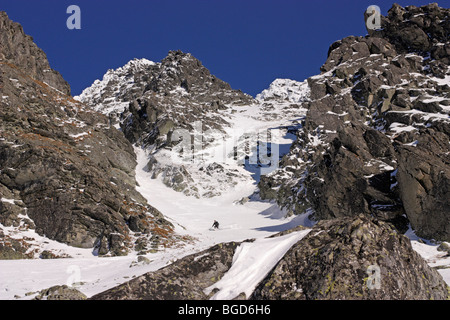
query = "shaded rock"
{"x": 351, "y": 178}
{"x": 412, "y": 28}
{"x": 352, "y": 259}
{"x": 424, "y": 184}
{"x": 185, "y": 279}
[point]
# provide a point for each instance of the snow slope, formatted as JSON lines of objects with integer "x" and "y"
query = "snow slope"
{"x": 239, "y": 220}
{"x": 252, "y": 261}
{"x": 192, "y": 216}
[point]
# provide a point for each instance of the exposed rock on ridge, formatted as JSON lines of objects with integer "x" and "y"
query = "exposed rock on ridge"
{"x": 352, "y": 259}
{"x": 375, "y": 139}
{"x": 64, "y": 171}
{"x": 159, "y": 97}
{"x": 20, "y": 50}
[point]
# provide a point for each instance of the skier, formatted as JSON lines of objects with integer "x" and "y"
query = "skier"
{"x": 215, "y": 225}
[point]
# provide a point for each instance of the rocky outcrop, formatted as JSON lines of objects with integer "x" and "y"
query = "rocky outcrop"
{"x": 424, "y": 177}
{"x": 64, "y": 171}
{"x": 379, "y": 105}
{"x": 359, "y": 186}
{"x": 418, "y": 29}
{"x": 60, "y": 293}
{"x": 352, "y": 259}
{"x": 185, "y": 279}
{"x": 19, "y": 49}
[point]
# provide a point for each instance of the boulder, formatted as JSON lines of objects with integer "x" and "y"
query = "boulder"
{"x": 355, "y": 258}
{"x": 185, "y": 279}
{"x": 60, "y": 292}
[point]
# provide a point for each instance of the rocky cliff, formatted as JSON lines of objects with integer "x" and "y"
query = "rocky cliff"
{"x": 65, "y": 172}
{"x": 19, "y": 49}
{"x": 375, "y": 139}
{"x": 352, "y": 259}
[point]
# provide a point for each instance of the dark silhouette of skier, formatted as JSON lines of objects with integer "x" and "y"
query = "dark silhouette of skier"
{"x": 215, "y": 225}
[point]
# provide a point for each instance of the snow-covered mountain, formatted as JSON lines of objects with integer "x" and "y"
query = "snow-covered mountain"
{"x": 325, "y": 179}
{"x": 178, "y": 97}
{"x": 107, "y": 95}
{"x": 285, "y": 89}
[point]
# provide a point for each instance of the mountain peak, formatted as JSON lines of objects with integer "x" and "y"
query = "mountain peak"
{"x": 137, "y": 63}
{"x": 18, "y": 49}
{"x": 178, "y": 54}
{"x": 178, "y": 74}
{"x": 285, "y": 90}
{"x": 415, "y": 29}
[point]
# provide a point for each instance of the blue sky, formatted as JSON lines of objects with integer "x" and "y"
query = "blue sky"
{"x": 247, "y": 43}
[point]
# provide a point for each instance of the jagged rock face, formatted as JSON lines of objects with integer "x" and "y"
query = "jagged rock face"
{"x": 64, "y": 171}
{"x": 380, "y": 104}
{"x": 111, "y": 95}
{"x": 157, "y": 98}
{"x": 352, "y": 259}
{"x": 422, "y": 29}
{"x": 185, "y": 279}
{"x": 20, "y": 50}
{"x": 363, "y": 188}
{"x": 151, "y": 101}
{"x": 424, "y": 177}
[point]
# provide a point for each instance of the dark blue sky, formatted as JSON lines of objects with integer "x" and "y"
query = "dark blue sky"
{"x": 247, "y": 43}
